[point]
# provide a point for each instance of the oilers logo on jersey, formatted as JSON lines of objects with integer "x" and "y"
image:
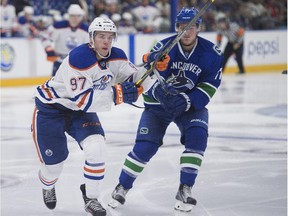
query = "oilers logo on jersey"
{"x": 102, "y": 82}
{"x": 181, "y": 82}
{"x": 72, "y": 42}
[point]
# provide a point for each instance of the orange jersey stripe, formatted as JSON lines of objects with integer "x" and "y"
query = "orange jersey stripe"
{"x": 94, "y": 171}
{"x": 52, "y": 58}
{"x": 47, "y": 91}
{"x": 241, "y": 32}
{"x": 82, "y": 100}
{"x": 219, "y": 38}
{"x": 34, "y": 134}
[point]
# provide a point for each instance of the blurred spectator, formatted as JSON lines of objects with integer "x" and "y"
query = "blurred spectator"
{"x": 41, "y": 7}
{"x": 259, "y": 16}
{"x": 99, "y": 7}
{"x": 116, "y": 18}
{"x": 187, "y": 3}
{"x": 277, "y": 11}
{"x": 42, "y": 23}
{"x": 8, "y": 23}
{"x": 164, "y": 8}
{"x": 55, "y": 14}
{"x": 235, "y": 35}
{"x": 20, "y": 4}
{"x": 148, "y": 17}
{"x": 126, "y": 24}
{"x": 65, "y": 35}
{"x": 27, "y": 26}
{"x": 83, "y": 4}
{"x": 111, "y": 8}
{"x": 128, "y": 5}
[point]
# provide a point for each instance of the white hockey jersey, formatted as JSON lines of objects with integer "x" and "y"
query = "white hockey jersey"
{"x": 63, "y": 38}
{"x": 84, "y": 83}
{"x": 8, "y": 19}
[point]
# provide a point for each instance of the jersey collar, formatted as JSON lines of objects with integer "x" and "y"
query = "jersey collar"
{"x": 184, "y": 54}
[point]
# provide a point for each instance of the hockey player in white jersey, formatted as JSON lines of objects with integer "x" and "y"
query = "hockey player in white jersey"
{"x": 92, "y": 78}
{"x": 65, "y": 35}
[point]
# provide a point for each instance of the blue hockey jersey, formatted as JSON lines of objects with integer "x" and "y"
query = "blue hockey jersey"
{"x": 197, "y": 73}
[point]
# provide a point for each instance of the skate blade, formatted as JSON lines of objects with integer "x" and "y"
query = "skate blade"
{"x": 113, "y": 203}
{"x": 183, "y": 207}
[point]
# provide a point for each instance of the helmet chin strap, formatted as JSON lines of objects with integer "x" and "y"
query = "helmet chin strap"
{"x": 103, "y": 57}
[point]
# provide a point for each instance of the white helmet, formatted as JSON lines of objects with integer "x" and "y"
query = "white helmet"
{"x": 220, "y": 17}
{"x": 75, "y": 9}
{"x": 28, "y": 10}
{"x": 101, "y": 24}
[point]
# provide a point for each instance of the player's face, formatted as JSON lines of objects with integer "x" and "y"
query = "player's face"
{"x": 103, "y": 42}
{"x": 189, "y": 36}
{"x": 222, "y": 25}
{"x": 74, "y": 20}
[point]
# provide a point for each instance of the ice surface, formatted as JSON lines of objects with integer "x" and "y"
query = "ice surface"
{"x": 244, "y": 172}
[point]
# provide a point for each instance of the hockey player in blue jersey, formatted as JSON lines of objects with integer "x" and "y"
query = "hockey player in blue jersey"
{"x": 194, "y": 71}
{"x": 92, "y": 78}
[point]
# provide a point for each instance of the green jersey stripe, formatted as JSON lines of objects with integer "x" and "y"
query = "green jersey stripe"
{"x": 207, "y": 88}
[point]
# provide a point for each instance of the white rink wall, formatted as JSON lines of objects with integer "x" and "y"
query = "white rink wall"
{"x": 263, "y": 51}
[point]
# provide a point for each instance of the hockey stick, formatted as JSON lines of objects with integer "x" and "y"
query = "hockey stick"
{"x": 166, "y": 48}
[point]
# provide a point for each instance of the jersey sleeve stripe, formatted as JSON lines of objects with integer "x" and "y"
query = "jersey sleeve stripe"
{"x": 47, "y": 91}
{"x": 52, "y": 89}
{"x": 82, "y": 101}
{"x": 89, "y": 101}
{"x": 42, "y": 94}
{"x": 207, "y": 88}
{"x": 117, "y": 59}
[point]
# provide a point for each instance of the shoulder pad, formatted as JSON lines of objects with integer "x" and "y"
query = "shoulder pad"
{"x": 117, "y": 53}
{"x": 160, "y": 44}
{"x": 84, "y": 27}
{"x": 209, "y": 50}
{"x": 82, "y": 57}
{"x": 61, "y": 24}
{"x": 22, "y": 20}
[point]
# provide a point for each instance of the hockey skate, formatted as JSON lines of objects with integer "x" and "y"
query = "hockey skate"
{"x": 118, "y": 196}
{"x": 92, "y": 206}
{"x": 185, "y": 202}
{"x": 49, "y": 197}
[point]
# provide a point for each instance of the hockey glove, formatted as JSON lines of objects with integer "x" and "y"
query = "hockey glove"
{"x": 174, "y": 104}
{"x": 161, "y": 65}
{"x": 51, "y": 55}
{"x": 126, "y": 92}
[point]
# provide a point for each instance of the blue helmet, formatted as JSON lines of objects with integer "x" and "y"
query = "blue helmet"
{"x": 186, "y": 15}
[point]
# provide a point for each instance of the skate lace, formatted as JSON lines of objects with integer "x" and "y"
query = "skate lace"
{"x": 120, "y": 190}
{"x": 50, "y": 195}
{"x": 94, "y": 205}
{"x": 186, "y": 192}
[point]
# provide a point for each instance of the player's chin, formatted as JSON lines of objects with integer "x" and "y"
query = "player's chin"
{"x": 104, "y": 52}
{"x": 187, "y": 42}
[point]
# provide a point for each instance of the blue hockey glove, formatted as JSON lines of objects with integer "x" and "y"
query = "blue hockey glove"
{"x": 175, "y": 104}
{"x": 126, "y": 92}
